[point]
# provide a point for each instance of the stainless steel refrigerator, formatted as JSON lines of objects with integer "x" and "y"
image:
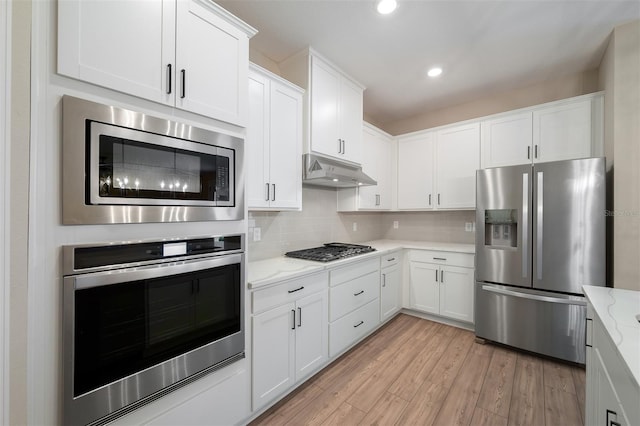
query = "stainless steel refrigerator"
{"x": 540, "y": 236}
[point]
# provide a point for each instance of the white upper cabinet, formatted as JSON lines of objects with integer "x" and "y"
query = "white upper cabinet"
{"x": 333, "y": 106}
{"x": 274, "y": 143}
{"x": 437, "y": 169}
{"x": 378, "y": 158}
{"x": 416, "y": 158}
{"x": 457, "y": 159}
{"x": 562, "y": 130}
{"x": 190, "y": 54}
{"x": 507, "y": 140}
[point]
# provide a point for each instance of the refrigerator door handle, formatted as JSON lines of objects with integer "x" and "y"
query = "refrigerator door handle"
{"x": 534, "y": 296}
{"x": 540, "y": 221}
{"x": 525, "y": 224}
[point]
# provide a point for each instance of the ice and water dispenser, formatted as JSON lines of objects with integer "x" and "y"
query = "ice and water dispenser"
{"x": 501, "y": 228}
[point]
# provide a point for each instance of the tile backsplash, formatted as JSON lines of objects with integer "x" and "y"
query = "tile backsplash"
{"x": 319, "y": 223}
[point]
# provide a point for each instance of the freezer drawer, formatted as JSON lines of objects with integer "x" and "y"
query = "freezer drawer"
{"x": 537, "y": 321}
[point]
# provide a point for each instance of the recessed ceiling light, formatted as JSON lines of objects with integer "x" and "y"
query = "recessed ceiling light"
{"x": 386, "y": 6}
{"x": 434, "y": 72}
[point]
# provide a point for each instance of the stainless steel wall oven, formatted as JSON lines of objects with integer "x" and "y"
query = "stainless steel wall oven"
{"x": 122, "y": 166}
{"x": 143, "y": 318}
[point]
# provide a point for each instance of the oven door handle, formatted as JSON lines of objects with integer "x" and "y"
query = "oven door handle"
{"x": 117, "y": 276}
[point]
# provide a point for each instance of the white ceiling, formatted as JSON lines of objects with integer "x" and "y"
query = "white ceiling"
{"x": 483, "y": 46}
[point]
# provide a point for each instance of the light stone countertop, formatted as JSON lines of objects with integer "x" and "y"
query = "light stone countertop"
{"x": 269, "y": 271}
{"x": 617, "y": 309}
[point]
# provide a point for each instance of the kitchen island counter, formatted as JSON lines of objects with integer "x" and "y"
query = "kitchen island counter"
{"x": 617, "y": 310}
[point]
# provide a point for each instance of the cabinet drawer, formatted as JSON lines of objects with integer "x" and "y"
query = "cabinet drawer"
{"x": 288, "y": 291}
{"x": 442, "y": 258}
{"x": 349, "y": 296}
{"x": 351, "y": 327}
{"x": 353, "y": 271}
{"x": 389, "y": 259}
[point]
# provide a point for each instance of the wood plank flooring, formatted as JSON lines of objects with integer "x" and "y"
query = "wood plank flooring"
{"x": 418, "y": 372}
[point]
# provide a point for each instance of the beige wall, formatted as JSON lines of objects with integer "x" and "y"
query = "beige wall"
{"x": 620, "y": 78}
{"x": 440, "y": 226}
{"x": 19, "y": 208}
{"x": 552, "y": 90}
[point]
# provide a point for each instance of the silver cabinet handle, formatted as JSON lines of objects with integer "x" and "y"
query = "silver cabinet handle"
{"x": 436, "y": 275}
{"x": 358, "y": 324}
{"x": 391, "y": 259}
{"x": 529, "y": 152}
{"x": 540, "y": 223}
{"x": 384, "y": 280}
{"x": 588, "y": 333}
{"x": 441, "y": 276}
{"x": 438, "y": 199}
{"x": 299, "y": 317}
{"x": 536, "y": 151}
{"x": 267, "y": 185}
{"x": 358, "y": 293}
{"x": 297, "y": 289}
{"x": 525, "y": 223}
{"x": 534, "y": 296}
{"x": 429, "y": 199}
{"x": 440, "y": 258}
{"x": 169, "y": 79}
{"x": 293, "y": 326}
{"x": 273, "y": 195}
{"x": 183, "y": 73}
{"x": 339, "y": 146}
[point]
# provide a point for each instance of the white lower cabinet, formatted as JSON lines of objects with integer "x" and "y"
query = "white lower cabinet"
{"x": 612, "y": 396}
{"x": 390, "y": 297}
{"x": 441, "y": 283}
{"x": 290, "y": 337}
{"x": 354, "y": 303}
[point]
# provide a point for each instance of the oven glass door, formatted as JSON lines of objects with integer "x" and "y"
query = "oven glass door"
{"x": 128, "y": 166}
{"x": 123, "y": 328}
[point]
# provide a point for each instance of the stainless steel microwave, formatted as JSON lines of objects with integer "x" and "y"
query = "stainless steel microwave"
{"x": 123, "y": 166}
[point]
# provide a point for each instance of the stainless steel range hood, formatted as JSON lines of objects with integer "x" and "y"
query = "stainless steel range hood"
{"x": 323, "y": 171}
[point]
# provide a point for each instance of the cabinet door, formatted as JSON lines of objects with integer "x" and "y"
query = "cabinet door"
{"x": 424, "y": 291}
{"x": 325, "y": 95}
{"x": 285, "y": 173}
{"x": 312, "y": 330}
{"x": 350, "y": 113}
{"x": 415, "y": 173}
{"x": 124, "y": 46}
{"x": 562, "y": 132}
{"x": 368, "y": 195}
{"x": 389, "y": 292}
{"x": 257, "y": 143}
{"x": 457, "y": 159}
{"x": 456, "y": 293}
{"x": 212, "y": 64}
{"x": 605, "y": 408}
{"x": 506, "y": 141}
{"x": 273, "y": 353}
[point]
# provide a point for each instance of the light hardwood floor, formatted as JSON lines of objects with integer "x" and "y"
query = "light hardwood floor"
{"x": 417, "y": 372}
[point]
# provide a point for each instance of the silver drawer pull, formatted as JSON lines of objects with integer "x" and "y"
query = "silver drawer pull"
{"x": 358, "y": 324}
{"x": 440, "y": 258}
{"x": 297, "y": 289}
{"x": 359, "y": 293}
{"x": 391, "y": 260}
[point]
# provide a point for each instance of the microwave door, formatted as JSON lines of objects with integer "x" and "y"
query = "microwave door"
{"x": 569, "y": 225}
{"x": 503, "y": 225}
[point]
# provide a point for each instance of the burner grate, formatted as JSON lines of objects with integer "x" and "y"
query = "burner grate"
{"x": 330, "y": 251}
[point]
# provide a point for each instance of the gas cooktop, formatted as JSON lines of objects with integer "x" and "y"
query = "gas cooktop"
{"x": 330, "y": 251}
